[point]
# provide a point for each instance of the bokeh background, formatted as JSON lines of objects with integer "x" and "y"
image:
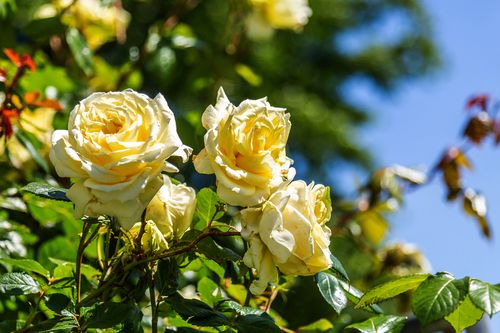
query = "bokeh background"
{"x": 416, "y": 124}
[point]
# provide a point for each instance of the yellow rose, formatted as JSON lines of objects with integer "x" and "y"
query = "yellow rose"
{"x": 98, "y": 23}
{"x": 37, "y": 122}
{"x": 288, "y": 232}
{"x": 282, "y": 14}
{"x": 152, "y": 240}
{"x": 115, "y": 148}
{"x": 245, "y": 148}
{"x": 172, "y": 209}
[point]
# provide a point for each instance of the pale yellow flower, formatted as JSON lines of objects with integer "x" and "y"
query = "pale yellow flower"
{"x": 115, "y": 149}
{"x": 172, "y": 209}
{"x": 98, "y": 23}
{"x": 245, "y": 149}
{"x": 152, "y": 240}
{"x": 279, "y": 14}
{"x": 288, "y": 233}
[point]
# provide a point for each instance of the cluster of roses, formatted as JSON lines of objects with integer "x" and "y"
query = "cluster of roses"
{"x": 116, "y": 149}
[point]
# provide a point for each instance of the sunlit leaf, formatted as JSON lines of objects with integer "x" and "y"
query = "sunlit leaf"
{"x": 206, "y": 205}
{"x": 18, "y": 284}
{"x": 320, "y": 325}
{"x": 391, "y": 289}
{"x": 331, "y": 291}
{"x": 438, "y": 296}
{"x": 380, "y": 324}
{"x": 485, "y": 296}
{"x": 27, "y": 265}
{"x": 46, "y": 191}
{"x": 354, "y": 295}
{"x": 81, "y": 52}
{"x": 465, "y": 315}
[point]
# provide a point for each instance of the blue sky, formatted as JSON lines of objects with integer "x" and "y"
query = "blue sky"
{"x": 423, "y": 118}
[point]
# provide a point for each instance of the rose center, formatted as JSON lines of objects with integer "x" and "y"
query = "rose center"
{"x": 112, "y": 127}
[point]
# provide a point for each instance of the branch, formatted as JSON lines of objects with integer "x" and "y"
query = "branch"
{"x": 167, "y": 254}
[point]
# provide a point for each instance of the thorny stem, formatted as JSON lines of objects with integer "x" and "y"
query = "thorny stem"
{"x": 141, "y": 232}
{"x": 79, "y": 258}
{"x": 248, "y": 297}
{"x": 152, "y": 296}
{"x": 167, "y": 254}
{"x": 271, "y": 299}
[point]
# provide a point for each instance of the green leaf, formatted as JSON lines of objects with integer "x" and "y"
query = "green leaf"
{"x": 229, "y": 306}
{"x": 18, "y": 284}
{"x": 81, "y": 52}
{"x": 256, "y": 323}
{"x": 57, "y": 302}
{"x": 331, "y": 291}
{"x": 206, "y": 205}
{"x": 196, "y": 312}
{"x": 33, "y": 145}
{"x": 214, "y": 251}
{"x": 109, "y": 314}
{"x": 167, "y": 276}
{"x": 133, "y": 322}
{"x": 27, "y": 265}
{"x": 183, "y": 330}
{"x": 65, "y": 324}
{"x": 57, "y": 76}
{"x": 337, "y": 267}
{"x": 465, "y": 315}
{"x": 437, "y": 296}
{"x": 321, "y": 325}
{"x": 206, "y": 288}
{"x": 214, "y": 267}
{"x": 46, "y": 191}
{"x": 354, "y": 295}
{"x": 66, "y": 269}
{"x": 380, "y": 324}
{"x": 485, "y": 296}
{"x": 390, "y": 289}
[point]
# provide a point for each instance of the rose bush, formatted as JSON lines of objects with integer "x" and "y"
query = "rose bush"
{"x": 288, "y": 232}
{"x": 245, "y": 149}
{"x": 115, "y": 147}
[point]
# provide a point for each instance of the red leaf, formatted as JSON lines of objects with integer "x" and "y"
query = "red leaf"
{"x": 496, "y": 130}
{"x": 479, "y": 100}
{"x": 31, "y": 97}
{"x": 478, "y": 127}
{"x": 7, "y": 115}
{"x": 49, "y": 103}
{"x": 27, "y": 61}
{"x": 13, "y": 56}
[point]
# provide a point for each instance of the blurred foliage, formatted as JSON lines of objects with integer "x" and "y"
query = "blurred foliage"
{"x": 186, "y": 49}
